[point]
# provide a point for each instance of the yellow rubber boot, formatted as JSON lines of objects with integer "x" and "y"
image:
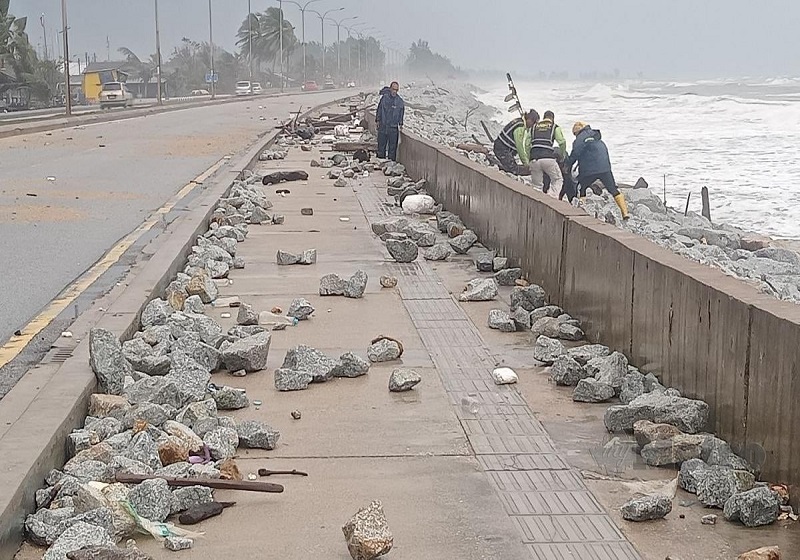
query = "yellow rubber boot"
{"x": 623, "y": 206}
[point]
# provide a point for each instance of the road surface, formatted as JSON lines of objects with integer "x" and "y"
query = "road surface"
{"x": 68, "y": 196}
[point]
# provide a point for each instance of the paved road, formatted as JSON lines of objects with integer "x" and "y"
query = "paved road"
{"x": 107, "y": 179}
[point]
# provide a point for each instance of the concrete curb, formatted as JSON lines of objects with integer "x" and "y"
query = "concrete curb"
{"x": 46, "y": 124}
{"x": 50, "y": 401}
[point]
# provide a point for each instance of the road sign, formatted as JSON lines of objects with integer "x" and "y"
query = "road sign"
{"x": 212, "y": 78}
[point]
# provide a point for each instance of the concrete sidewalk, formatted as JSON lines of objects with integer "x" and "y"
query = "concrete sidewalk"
{"x": 454, "y": 484}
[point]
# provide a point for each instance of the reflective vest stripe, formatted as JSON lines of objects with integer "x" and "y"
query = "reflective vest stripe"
{"x": 507, "y": 134}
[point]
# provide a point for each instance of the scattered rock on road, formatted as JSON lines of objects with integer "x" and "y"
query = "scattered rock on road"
{"x": 301, "y": 309}
{"x": 384, "y": 350}
{"x": 367, "y": 533}
{"x": 402, "y": 251}
{"x": 500, "y": 320}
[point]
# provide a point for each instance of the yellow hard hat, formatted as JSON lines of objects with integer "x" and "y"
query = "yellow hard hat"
{"x": 577, "y": 127}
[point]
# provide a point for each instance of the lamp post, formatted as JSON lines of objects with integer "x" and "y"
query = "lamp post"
{"x": 211, "y": 45}
{"x": 250, "y": 44}
{"x": 338, "y": 25}
{"x": 158, "y": 58}
{"x": 322, "y": 17}
{"x": 44, "y": 34}
{"x": 303, "y": 24}
{"x": 280, "y": 39}
{"x": 67, "y": 89}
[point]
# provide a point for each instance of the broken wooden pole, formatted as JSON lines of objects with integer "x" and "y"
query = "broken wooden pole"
{"x": 218, "y": 484}
{"x": 706, "y": 204}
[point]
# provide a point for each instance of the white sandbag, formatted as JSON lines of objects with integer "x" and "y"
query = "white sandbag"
{"x": 419, "y": 204}
{"x": 504, "y": 376}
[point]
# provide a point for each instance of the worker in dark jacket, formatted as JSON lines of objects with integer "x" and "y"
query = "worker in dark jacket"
{"x": 591, "y": 154}
{"x": 545, "y": 159}
{"x": 389, "y": 120}
{"x": 515, "y": 139}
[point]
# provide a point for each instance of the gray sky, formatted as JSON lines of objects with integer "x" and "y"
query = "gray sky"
{"x": 662, "y": 38}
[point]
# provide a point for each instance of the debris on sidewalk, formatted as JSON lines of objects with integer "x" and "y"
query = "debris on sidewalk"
{"x": 403, "y": 380}
{"x": 384, "y": 349}
{"x": 763, "y": 553}
{"x": 285, "y": 258}
{"x": 479, "y": 289}
{"x": 647, "y": 508}
{"x": 504, "y": 376}
{"x": 334, "y": 285}
{"x": 284, "y": 176}
{"x": 367, "y": 533}
{"x": 388, "y": 281}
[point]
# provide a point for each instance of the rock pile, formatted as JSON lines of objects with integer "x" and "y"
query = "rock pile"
{"x": 157, "y": 412}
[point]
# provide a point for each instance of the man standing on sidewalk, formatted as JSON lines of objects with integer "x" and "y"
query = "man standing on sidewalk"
{"x": 544, "y": 158}
{"x": 389, "y": 120}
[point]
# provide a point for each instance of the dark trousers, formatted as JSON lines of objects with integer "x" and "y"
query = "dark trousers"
{"x": 387, "y": 142}
{"x": 507, "y": 161}
{"x": 606, "y": 178}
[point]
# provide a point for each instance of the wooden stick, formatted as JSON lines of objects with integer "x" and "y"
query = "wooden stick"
{"x": 246, "y": 485}
{"x": 706, "y": 204}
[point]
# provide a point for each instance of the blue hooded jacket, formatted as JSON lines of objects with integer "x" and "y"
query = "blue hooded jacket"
{"x": 590, "y": 152}
{"x": 391, "y": 110}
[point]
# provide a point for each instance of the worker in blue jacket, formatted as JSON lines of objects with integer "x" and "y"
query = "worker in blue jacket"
{"x": 591, "y": 154}
{"x": 389, "y": 120}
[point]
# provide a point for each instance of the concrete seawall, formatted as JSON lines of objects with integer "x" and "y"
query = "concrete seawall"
{"x": 711, "y": 336}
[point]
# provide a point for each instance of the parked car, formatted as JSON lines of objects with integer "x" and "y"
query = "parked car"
{"x": 351, "y": 84}
{"x": 115, "y": 94}
{"x": 200, "y": 92}
{"x": 244, "y": 88}
{"x": 310, "y": 86}
{"x": 257, "y": 89}
{"x": 329, "y": 84}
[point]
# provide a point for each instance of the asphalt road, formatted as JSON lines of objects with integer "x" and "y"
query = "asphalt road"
{"x": 66, "y": 197}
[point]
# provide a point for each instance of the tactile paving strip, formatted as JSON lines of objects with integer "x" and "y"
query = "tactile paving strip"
{"x": 557, "y": 516}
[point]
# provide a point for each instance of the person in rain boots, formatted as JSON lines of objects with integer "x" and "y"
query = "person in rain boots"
{"x": 389, "y": 121}
{"x": 515, "y": 139}
{"x": 591, "y": 154}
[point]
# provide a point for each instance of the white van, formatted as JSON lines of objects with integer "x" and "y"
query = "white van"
{"x": 244, "y": 88}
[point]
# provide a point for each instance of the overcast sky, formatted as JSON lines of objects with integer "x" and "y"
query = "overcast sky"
{"x": 661, "y": 38}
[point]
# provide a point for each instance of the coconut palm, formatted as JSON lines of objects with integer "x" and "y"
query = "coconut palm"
{"x": 266, "y": 36}
{"x": 144, "y": 70}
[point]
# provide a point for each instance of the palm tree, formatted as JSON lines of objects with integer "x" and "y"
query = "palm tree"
{"x": 17, "y": 56}
{"x": 266, "y": 36}
{"x": 144, "y": 70}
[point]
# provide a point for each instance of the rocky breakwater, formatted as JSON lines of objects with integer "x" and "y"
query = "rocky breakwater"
{"x": 439, "y": 113}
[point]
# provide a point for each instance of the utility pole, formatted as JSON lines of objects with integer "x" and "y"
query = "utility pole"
{"x": 303, "y": 23}
{"x": 280, "y": 35}
{"x": 44, "y": 34}
{"x": 250, "y": 43}
{"x": 211, "y": 46}
{"x": 338, "y": 25}
{"x": 158, "y": 58}
{"x": 322, "y": 22}
{"x": 108, "y": 49}
{"x": 67, "y": 89}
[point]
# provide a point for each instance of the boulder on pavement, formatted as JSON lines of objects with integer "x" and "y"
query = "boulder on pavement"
{"x": 591, "y": 390}
{"x": 690, "y": 474}
{"x": 351, "y": 365}
{"x": 484, "y": 262}
{"x": 403, "y": 380}
{"x": 584, "y": 354}
{"x": 547, "y": 350}
{"x": 717, "y": 484}
{"x": 676, "y": 450}
{"x": 647, "y": 508}
{"x": 528, "y": 297}
{"x": 763, "y": 553}
{"x": 292, "y": 379}
{"x": 230, "y": 398}
{"x": 500, "y": 320}
{"x": 80, "y": 535}
{"x": 508, "y": 276}
{"x": 402, "y": 251}
{"x": 754, "y": 508}
{"x": 567, "y": 372}
{"x": 464, "y": 242}
{"x": 367, "y": 533}
{"x": 247, "y": 316}
{"x": 688, "y": 415}
{"x": 384, "y": 350}
{"x": 301, "y": 309}
{"x": 311, "y": 360}
{"x": 438, "y": 252}
{"x": 155, "y": 313}
{"x": 479, "y": 289}
{"x": 546, "y": 326}
{"x": 222, "y": 442}
{"x": 257, "y": 435}
{"x": 632, "y": 387}
{"x": 249, "y": 354}
{"x": 610, "y": 370}
{"x": 647, "y": 432}
{"x": 152, "y": 499}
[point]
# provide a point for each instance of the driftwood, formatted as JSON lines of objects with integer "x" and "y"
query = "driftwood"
{"x": 477, "y": 148}
{"x": 244, "y": 485}
{"x": 355, "y": 146}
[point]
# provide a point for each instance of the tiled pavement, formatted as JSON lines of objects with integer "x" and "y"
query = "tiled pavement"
{"x": 556, "y": 515}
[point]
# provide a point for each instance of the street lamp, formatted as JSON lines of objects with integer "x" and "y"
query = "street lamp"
{"x": 303, "y": 20}
{"x": 322, "y": 23}
{"x": 250, "y": 44}
{"x": 158, "y": 58}
{"x": 338, "y": 25}
{"x": 67, "y": 89}
{"x": 211, "y": 45}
